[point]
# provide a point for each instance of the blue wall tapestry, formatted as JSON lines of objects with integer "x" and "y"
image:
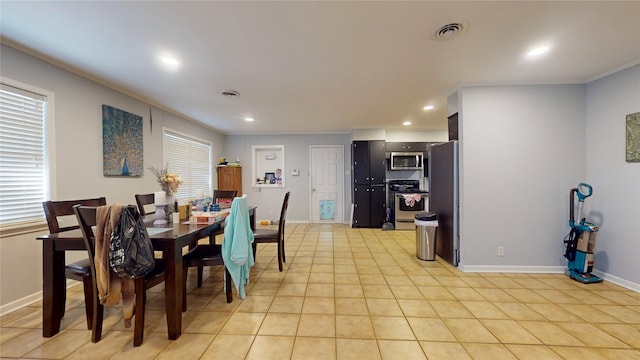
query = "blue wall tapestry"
{"x": 121, "y": 143}
{"x": 327, "y": 209}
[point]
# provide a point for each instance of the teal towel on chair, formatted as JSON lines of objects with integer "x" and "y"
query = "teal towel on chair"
{"x": 237, "y": 251}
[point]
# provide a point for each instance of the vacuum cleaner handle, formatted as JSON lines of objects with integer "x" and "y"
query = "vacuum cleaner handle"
{"x": 582, "y": 194}
{"x": 572, "y": 209}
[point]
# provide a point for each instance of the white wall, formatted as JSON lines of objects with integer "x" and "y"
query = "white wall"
{"x": 269, "y": 200}
{"x": 521, "y": 150}
{"x": 615, "y": 204}
{"x": 417, "y": 136}
{"x": 368, "y": 134}
{"x": 78, "y": 139}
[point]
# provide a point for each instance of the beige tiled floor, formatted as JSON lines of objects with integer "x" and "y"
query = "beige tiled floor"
{"x": 357, "y": 294}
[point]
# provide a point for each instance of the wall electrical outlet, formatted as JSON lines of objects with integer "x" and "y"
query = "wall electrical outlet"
{"x": 500, "y": 250}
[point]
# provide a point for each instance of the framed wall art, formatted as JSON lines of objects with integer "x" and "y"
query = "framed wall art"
{"x": 121, "y": 143}
{"x": 633, "y": 137}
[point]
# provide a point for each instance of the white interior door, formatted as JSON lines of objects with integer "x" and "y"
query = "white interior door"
{"x": 327, "y": 183}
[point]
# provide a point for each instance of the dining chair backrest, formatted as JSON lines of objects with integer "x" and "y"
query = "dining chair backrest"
{"x": 55, "y": 211}
{"x": 87, "y": 218}
{"x": 283, "y": 214}
{"x": 145, "y": 199}
{"x": 224, "y": 194}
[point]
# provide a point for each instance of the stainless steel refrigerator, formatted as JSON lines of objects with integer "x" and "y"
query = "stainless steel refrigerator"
{"x": 443, "y": 199}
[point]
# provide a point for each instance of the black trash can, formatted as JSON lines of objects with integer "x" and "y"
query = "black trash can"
{"x": 426, "y": 227}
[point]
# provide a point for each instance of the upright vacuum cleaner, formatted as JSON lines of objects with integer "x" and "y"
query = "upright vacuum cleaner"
{"x": 581, "y": 241}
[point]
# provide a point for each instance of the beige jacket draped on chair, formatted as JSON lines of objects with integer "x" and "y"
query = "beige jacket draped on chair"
{"x": 110, "y": 286}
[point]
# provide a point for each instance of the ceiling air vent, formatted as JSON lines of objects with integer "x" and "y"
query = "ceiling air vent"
{"x": 450, "y": 30}
{"x": 231, "y": 93}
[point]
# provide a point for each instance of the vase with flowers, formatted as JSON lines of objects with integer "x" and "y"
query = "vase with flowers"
{"x": 169, "y": 182}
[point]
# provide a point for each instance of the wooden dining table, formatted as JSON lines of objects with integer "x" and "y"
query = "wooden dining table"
{"x": 169, "y": 238}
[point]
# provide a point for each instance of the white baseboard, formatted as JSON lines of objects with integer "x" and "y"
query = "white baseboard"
{"x": 30, "y": 299}
{"x": 547, "y": 270}
{"x": 20, "y": 303}
{"x": 618, "y": 281}
{"x": 513, "y": 269}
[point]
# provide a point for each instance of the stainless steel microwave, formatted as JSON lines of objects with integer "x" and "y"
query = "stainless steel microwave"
{"x": 406, "y": 161}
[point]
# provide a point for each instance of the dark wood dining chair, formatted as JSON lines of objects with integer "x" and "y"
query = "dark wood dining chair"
{"x": 200, "y": 256}
{"x": 87, "y": 217}
{"x": 224, "y": 195}
{"x": 272, "y": 235}
{"x": 56, "y": 212}
{"x": 217, "y": 196}
{"x": 145, "y": 199}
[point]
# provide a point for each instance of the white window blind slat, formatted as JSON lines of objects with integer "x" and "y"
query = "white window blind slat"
{"x": 22, "y": 155}
{"x": 191, "y": 159}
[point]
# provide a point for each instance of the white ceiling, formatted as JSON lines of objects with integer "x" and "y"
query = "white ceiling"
{"x": 303, "y": 67}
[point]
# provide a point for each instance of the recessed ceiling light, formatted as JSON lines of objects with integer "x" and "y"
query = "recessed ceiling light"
{"x": 169, "y": 61}
{"x": 428, "y": 107}
{"x": 249, "y": 119}
{"x": 406, "y": 123}
{"x": 538, "y": 51}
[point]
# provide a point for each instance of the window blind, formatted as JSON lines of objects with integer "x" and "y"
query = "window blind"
{"x": 191, "y": 159}
{"x": 22, "y": 155}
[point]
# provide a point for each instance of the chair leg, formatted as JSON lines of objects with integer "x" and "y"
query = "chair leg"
{"x": 141, "y": 297}
{"x": 96, "y": 321}
{"x": 280, "y": 254}
{"x": 227, "y": 285}
{"x": 255, "y": 250}
{"x": 284, "y": 258}
{"x": 88, "y": 299}
{"x": 200, "y": 271}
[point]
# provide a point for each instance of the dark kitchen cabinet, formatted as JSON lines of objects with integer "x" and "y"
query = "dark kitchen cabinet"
{"x": 370, "y": 206}
{"x": 369, "y": 187}
{"x": 368, "y": 162}
{"x": 405, "y": 146}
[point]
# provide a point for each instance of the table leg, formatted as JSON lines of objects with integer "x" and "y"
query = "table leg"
{"x": 173, "y": 278}
{"x": 53, "y": 288}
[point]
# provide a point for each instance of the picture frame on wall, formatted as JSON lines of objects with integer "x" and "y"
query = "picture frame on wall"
{"x": 122, "y": 146}
{"x": 633, "y": 137}
{"x": 269, "y": 178}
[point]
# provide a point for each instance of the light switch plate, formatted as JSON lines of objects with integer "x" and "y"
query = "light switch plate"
{"x": 295, "y": 172}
